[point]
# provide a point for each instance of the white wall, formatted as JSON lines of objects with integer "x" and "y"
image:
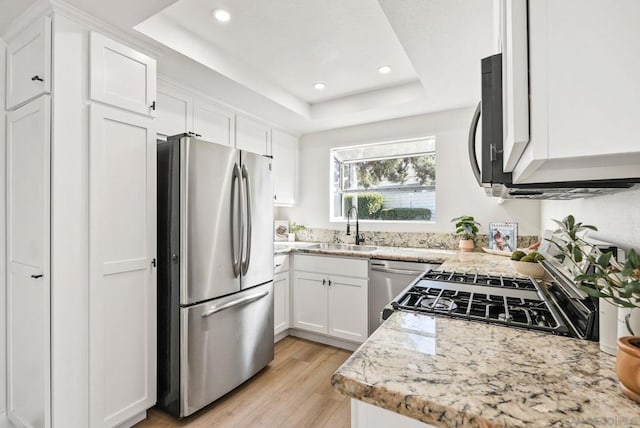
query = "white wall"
{"x": 457, "y": 191}
{"x": 3, "y": 273}
{"x": 616, "y": 216}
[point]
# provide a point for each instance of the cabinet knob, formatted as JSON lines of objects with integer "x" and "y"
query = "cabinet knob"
{"x": 38, "y": 78}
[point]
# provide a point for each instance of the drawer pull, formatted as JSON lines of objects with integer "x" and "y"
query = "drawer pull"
{"x": 38, "y": 78}
{"x": 278, "y": 265}
{"x": 36, "y": 276}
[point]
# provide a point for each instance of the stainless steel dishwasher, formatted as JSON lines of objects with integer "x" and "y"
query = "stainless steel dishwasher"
{"x": 387, "y": 278}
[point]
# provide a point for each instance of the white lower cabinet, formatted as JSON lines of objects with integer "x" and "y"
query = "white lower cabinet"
{"x": 122, "y": 249}
{"x": 331, "y": 300}
{"x": 365, "y": 415}
{"x": 280, "y": 302}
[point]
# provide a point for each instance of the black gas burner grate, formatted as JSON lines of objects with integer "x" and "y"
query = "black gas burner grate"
{"x": 519, "y": 312}
{"x": 489, "y": 280}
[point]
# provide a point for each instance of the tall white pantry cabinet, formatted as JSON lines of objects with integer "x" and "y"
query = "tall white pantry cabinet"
{"x": 81, "y": 259}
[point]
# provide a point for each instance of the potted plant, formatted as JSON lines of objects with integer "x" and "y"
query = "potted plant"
{"x": 467, "y": 229}
{"x": 613, "y": 282}
{"x": 293, "y": 229}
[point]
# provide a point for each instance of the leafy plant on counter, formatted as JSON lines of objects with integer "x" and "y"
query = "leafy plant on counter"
{"x": 466, "y": 227}
{"x": 293, "y": 228}
{"x": 609, "y": 280}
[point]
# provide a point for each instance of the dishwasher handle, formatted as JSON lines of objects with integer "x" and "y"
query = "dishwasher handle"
{"x": 398, "y": 271}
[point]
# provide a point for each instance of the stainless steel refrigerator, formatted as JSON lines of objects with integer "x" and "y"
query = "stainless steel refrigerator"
{"x": 215, "y": 271}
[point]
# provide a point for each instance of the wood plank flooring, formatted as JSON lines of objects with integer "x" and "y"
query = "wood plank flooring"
{"x": 293, "y": 391}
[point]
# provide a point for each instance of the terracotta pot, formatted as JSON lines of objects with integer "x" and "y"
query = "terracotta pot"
{"x": 628, "y": 366}
{"x": 466, "y": 245}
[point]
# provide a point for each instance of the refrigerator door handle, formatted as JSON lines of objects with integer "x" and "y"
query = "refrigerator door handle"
{"x": 235, "y": 182}
{"x": 241, "y": 301}
{"x": 247, "y": 190}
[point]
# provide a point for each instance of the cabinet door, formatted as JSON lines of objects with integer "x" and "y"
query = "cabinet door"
{"x": 121, "y": 76}
{"x": 29, "y": 63}
{"x": 252, "y": 136}
{"x": 28, "y": 258}
{"x": 212, "y": 123}
{"x": 348, "y": 308}
{"x": 281, "y": 302}
{"x": 515, "y": 81}
{"x": 122, "y": 288}
{"x": 174, "y": 110}
{"x": 310, "y": 302}
{"x": 285, "y": 154}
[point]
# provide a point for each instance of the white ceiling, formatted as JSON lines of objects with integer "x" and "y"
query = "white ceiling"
{"x": 266, "y": 59}
{"x": 295, "y": 43}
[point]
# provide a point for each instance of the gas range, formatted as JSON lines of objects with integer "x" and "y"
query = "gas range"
{"x": 509, "y": 301}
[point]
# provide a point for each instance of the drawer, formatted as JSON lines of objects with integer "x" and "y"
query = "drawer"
{"x": 346, "y": 266}
{"x": 280, "y": 263}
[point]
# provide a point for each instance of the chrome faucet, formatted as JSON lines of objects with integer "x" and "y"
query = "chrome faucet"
{"x": 359, "y": 238}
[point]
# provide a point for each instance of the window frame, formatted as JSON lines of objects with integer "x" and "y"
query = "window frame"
{"x": 333, "y": 219}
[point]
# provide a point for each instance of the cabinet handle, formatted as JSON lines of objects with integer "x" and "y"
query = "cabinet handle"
{"x": 278, "y": 265}
{"x": 153, "y": 105}
{"x": 154, "y": 263}
{"x": 38, "y": 78}
{"x": 36, "y": 276}
{"x": 324, "y": 281}
{"x": 329, "y": 283}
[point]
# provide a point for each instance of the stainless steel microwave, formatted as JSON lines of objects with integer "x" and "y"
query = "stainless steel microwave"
{"x": 491, "y": 175}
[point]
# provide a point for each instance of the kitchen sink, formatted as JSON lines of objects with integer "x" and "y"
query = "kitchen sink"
{"x": 343, "y": 247}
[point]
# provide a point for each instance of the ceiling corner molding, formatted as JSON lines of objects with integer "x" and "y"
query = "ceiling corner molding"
{"x": 33, "y": 12}
{"x": 129, "y": 36}
{"x": 381, "y": 98}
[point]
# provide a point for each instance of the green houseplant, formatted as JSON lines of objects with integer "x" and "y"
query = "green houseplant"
{"x": 611, "y": 281}
{"x": 467, "y": 230}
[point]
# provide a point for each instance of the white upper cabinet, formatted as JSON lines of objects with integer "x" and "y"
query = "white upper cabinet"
{"x": 584, "y": 63}
{"x": 122, "y": 76}
{"x": 515, "y": 80}
{"x": 29, "y": 63}
{"x": 212, "y": 123}
{"x": 174, "y": 110}
{"x": 252, "y": 135}
{"x": 285, "y": 154}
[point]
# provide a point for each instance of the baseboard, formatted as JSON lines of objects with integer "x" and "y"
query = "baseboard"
{"x": 327, "y": 340}
{"x": 278, "y": 337}
{"x": 133, "y": 420}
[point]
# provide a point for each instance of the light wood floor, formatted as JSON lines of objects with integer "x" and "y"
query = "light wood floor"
{"x": 293, "y": 391}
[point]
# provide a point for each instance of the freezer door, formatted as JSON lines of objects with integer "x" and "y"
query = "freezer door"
{"x": 224, "y": 343}
{"x": 210, "y": 226}
{"x": 257, "y": 256}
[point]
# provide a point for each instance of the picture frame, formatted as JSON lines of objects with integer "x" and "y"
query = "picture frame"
{"x": 503, "y": 236}
{"x": 280, "y": 230}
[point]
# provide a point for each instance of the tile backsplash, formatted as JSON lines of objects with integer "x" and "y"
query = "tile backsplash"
{"x": 447, "y": 241}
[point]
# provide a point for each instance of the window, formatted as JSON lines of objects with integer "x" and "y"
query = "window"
{"x": 391, "y": 181}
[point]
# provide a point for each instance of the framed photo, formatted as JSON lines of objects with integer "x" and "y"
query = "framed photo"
{"x": 503, "y": 236}
{"x": 281, "y": 230}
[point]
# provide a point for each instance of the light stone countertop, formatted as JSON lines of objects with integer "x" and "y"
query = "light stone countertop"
{"x": 454, "y": 373}
{"x": 477, "y": 262}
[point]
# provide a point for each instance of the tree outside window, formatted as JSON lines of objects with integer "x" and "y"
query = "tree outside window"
{"x": 391, "y": 181}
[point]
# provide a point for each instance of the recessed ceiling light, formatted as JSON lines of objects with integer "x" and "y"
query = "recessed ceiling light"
{"x": 384, "y": 69}
{"x": 221, "y": 15}
{"x": 319, "y": 86}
